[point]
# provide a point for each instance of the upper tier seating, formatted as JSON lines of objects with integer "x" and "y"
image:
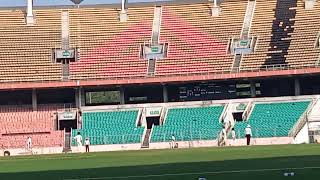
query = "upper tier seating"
{"x": 272, "y": 119}
{"x": 109, "y": 48}
{"x": 198, "y": 123}
{"x": 302, "y": 51}
{"x": 264, "y": 16}
{"x": 115, "y": 127}
{"x": 197, "y": 41}
{"x": 26, "y": 51}
{"x": 19, "y": 123}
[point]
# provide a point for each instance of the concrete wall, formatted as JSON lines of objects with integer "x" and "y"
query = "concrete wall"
{"x": 35, "y": 151}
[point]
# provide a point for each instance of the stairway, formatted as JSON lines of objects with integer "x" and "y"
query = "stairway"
{"x": 156, "y": 25}
{"x": 305, "y": 117}
{"x": 314, "y": 114}
{"x": 248, "y": 19}
{"x": 244, "y": 32}
{"x": 236, "y": 63}
{"x": 65, "y": 71}
{"x": 145, "y": 143}
{"x": 67, "y": 142}
{"x": 151, "y": 67}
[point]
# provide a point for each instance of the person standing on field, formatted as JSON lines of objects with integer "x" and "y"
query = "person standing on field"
{"x": 233, "y": 136}
{"x": 248, "y": 134}
{"x": 87, "y": 144}
{"x": 29, "y": 143}
{"x": 78, "y": 139}
{"x": 173, "y": 141}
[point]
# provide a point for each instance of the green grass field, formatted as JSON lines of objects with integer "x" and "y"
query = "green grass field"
{"x": 263, "y": 162}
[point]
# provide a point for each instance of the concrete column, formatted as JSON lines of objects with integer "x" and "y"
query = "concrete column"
{"x": 215, "y": 3}
{"x": 29, "y": 18}
{"x": 297, "y": 89}
{"x": 30, "y": 8}
{"x": 253, "y": 88}
{"x": 122, "y": 99}
{"x": 123, "y": 6}
{"x": 82, "y": 97}
{"x": 34, "y": 100}
{"x": 123, "y": 16}
{"x": 165, "y": 93}
{"x": 77, "y": 99}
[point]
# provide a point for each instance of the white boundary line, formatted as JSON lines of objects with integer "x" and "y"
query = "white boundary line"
{"x": 196, "y": 173}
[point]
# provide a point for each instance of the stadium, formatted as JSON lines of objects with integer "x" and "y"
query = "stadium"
{"x": 185, "y": 89}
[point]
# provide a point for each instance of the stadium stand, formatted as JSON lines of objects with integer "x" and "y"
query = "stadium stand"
{"x": 273, "y": 23}
{"x": 197, "y": 123}
{"x": 302, "y": 50}
{"x": 26, "y": 51}
{"x": 197, "y": 41}
{"x": 272, "y": 119}
{"x": 115, "y": 127}
{"x": 18, "y": 123}
{"x": 109, "y": 48}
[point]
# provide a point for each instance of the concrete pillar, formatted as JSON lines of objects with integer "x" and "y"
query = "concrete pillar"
{"x": 29, "y": 18}
{"x": 82, "y": 97}
{"x": 165, "y": 93}
{"x": 253, "y": 88}
{"x": 30, "y": 8}
{"x": 216, "y": 10}
{"x": 122, "y": 99}
{"x": 215, "y": 3}
{"x": 123, "y": 6}
{"x": 309, "y": 4}
{"x": 77, "y": 97}
{"x": 34, "y": 100}
{"x": 297, "y": 89}
{"x": 123, "y": 16}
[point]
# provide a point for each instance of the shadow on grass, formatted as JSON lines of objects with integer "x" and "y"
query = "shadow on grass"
{"x": 189, "y": 167}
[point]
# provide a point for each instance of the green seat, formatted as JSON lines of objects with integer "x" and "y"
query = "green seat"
{"x": 115, "y": 127}
{"x": 273, "y": 119}
{"x": 199, "y": 123}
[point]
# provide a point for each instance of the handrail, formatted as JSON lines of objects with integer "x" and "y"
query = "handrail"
{"x": 275, "y": 67}
{"x": 302, "y": 120}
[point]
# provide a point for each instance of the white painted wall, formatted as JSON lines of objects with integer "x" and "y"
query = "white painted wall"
{"x": 302, "y": 136}
{"x": 36, "y": 151}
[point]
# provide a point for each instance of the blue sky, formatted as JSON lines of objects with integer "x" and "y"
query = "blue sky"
{"x": 6, "y": 3}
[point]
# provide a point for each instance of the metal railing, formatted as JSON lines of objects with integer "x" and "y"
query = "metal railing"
{"x": 112, "y": 139}
{"x": 303, "y": 120}
{"x": 193, "y": 135}
{"x": 275, "y": 67}
{"x": 273, "y": 131}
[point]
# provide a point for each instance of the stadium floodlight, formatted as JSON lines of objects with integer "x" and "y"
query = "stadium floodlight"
{"x": 76, "y": 1}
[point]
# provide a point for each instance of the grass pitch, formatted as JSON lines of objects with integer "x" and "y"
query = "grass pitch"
{"x": 255, "y": 162}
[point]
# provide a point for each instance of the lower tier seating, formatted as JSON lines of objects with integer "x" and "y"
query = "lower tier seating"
{"x": 116, "y": 127}
{"x": 19, "y": 123}
{"x": 189, "y": 124}
{"x": 272, "y": 119}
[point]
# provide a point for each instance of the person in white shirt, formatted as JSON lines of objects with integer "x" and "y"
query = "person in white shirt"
{"x": 224, "y": 135}
{"x": 78, "y": 139}
{"x": 173, "y": 141}
{"x": 248, "y": 134}
{"x": 87, "y": 144}
{"x": 233, "y": 136}
{"x": 29, "y": 143}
